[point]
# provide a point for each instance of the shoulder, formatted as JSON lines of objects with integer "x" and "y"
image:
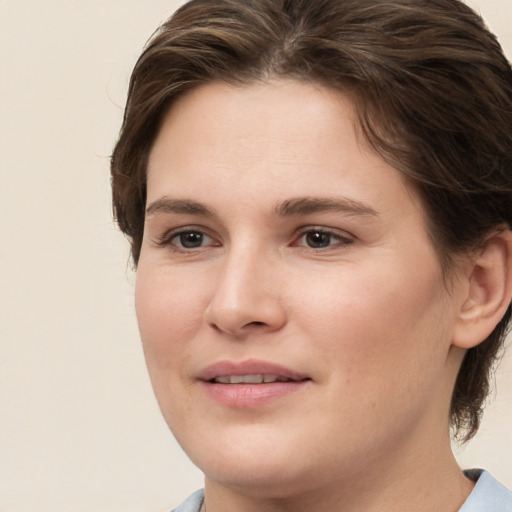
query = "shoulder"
{"x": 192, "y": 503}
{"x": 488, "y": 494}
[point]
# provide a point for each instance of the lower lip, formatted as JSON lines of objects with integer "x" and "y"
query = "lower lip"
{"x": 251, "y": 395}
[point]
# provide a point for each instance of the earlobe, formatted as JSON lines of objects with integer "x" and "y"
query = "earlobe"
{"x": 488, "y": 291}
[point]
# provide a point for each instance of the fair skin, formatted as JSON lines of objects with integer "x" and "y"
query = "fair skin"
{"x": 278, "y": 243}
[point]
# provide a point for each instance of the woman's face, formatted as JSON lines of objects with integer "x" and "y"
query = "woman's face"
{"x": 291, "y": 305}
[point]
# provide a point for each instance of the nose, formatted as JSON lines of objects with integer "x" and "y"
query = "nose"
{"x": 246, "y": 297}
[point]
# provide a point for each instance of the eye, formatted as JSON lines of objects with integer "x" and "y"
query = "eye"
{"x": 190, "y": 239}
{"x": 187, "y": 239}
{"x": 321, "y": 239}
{"x": 317, "y": 239}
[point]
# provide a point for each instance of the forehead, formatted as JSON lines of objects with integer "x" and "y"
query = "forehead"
{"x": 270, "y": 140}
{"x": 281, "y": 110}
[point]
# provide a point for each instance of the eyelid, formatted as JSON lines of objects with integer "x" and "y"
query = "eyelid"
{"x": 165, "y": 240}
{"x": 344, "y": 238}
{"x": 341, "y": 237}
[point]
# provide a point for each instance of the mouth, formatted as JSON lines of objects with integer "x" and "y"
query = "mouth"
{"x": 250, "y": 371}
{"x": 250, "y": 384}
{"x": 250, "y": 379}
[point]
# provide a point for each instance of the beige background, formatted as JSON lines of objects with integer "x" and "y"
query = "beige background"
{"x": 79, "y": 427}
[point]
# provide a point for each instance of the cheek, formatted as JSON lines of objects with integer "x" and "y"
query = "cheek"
{"x": 169, "y": 314}
{"x": 383, "y": 343}
{"x": 378, "y": 324}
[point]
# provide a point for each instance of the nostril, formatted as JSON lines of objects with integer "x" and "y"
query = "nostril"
{"x": 256, "y": 323}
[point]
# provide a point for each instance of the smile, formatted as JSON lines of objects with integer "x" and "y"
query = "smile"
{"x": 250, "y": 383}
{"x": 250, "y": 379}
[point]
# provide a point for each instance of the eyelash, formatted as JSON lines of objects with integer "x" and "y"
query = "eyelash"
{"x": 168, "y": 238}
{"x": 340, "y": 240}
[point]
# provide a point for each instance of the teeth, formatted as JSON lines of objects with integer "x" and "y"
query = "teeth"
{"x": 249, "y": 379}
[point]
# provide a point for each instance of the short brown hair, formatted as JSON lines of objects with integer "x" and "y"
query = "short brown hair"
{"x": 431, "y": 86}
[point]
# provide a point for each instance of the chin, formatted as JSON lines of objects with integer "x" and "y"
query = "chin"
{"x": 273, "y": 479}
{"x": 259, "y": 463}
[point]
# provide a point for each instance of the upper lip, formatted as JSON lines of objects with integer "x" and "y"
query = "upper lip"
{"x": 248, "y": 367}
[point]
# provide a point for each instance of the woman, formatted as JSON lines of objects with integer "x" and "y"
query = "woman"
{"x": 319, "y": 201}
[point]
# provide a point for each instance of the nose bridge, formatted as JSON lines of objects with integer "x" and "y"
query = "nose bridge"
{"x": 246, "y": 294}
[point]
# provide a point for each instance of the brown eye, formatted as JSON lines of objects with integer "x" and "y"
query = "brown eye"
{"x": 318, "y": 239}
{"x": 191, "y": 239}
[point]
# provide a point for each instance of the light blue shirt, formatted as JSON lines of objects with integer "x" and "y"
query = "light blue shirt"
{"x": 488, "y": 496}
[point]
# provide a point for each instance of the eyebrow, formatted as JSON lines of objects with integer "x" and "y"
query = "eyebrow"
{"x": 308, "y": 205}
{"x": 288, "y": 208}
{"x": 183, "y": 206}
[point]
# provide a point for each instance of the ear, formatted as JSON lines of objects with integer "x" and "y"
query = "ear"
{"x": 487, "y": 291}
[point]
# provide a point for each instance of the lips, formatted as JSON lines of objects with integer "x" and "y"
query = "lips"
{"x": 250, "y": 368}
{"x": 250, "y": 379}
{"x": 250, "y": 383}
